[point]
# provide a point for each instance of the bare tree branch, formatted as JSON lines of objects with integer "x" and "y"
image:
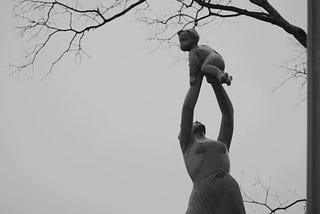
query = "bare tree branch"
{"x": 42, "y": 20}
{"x": 192, "y": 13}
{"x": 272, "y": 16}
{"x": 296, "y": 69}
{"x": 271, "y": 202}
{"x": 195, "y": 11}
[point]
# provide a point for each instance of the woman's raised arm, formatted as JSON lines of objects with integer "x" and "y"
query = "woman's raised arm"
{"x": 227, "y": 122}
{"x": 187, "y": 113}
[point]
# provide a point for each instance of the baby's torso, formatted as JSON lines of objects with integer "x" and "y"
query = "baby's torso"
{"x": 203, "y": 51}
{"x": 206, "y": 156}
{"x": 208, "y": 56}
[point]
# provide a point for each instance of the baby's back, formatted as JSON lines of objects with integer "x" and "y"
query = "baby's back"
{"x": 208, "y": 56}
{"x": 203, "y": 52}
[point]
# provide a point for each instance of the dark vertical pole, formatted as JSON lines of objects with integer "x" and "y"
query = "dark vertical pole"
{"x": 313, "y": 148}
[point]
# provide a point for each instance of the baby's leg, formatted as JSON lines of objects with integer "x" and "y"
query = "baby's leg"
{"x": 216, "y": 73}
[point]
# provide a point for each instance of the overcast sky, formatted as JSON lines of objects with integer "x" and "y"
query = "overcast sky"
{"x": 101, "y": 137}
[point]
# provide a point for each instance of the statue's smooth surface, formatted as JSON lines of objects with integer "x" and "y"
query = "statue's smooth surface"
{"x": 215, "y": 191}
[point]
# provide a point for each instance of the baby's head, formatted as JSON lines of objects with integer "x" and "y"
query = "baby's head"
{"x": 188, "y": 39}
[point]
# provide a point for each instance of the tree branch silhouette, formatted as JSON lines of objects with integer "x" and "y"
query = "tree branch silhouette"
{"x": 44, "y": 20}
{"x": 272, "y": 203}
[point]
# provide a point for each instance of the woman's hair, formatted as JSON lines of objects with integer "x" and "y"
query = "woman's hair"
{"x": 198, "y": 127}
{"x": 192, "y": 32}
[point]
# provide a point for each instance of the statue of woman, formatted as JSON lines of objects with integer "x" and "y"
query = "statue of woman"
{"x": 215, "y": 191}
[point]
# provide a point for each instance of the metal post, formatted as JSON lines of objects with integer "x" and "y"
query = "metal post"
{"x": 313, "y": 148}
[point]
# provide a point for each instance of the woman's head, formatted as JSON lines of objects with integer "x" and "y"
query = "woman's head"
{"x": 198, "y": 128}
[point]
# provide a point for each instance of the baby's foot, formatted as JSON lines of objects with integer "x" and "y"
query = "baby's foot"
{"x": 225, "y": 78}
{"x": 228, "y": 82}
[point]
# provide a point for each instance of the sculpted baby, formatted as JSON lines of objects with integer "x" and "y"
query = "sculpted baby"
{"x": 202, "y": 58}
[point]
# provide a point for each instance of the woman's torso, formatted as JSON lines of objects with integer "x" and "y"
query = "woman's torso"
{"x": 212, "y": 192}
{"x": 204, "y": 157}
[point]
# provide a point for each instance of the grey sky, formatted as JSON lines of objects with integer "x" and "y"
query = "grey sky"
{"x": 102, "y": 137}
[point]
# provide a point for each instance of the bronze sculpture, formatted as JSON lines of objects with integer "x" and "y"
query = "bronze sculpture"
{"x": 215, "y": 191}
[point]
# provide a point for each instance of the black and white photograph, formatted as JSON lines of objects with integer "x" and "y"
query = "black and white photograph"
{"x": 159, "y": 106}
